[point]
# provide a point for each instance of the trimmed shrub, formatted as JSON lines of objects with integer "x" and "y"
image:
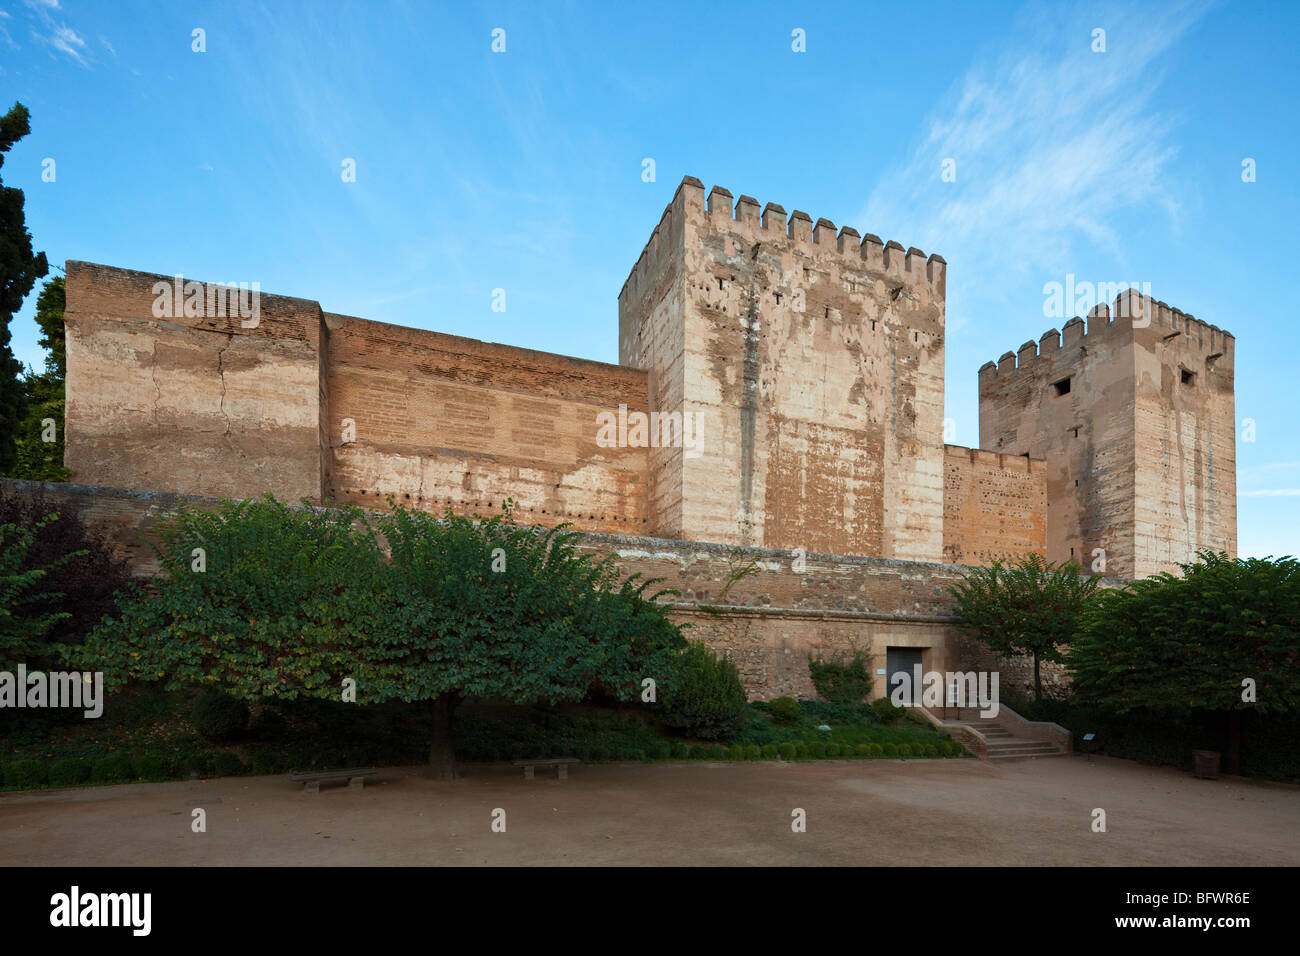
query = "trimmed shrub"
{"x": 69, "y": 773}
{"x": 931, "y": 750}
{"x": 905, "y": 750}
{"x": 786, "y": 751}
{"x": 800, "y": 751}
{"x": 717, "y": 752}
{"x": 769, "y": 751}
{"x": 698, "y": 752}
{"x": 785, "y": 710}
{"x": 885, "y": 710}
{"x": 832, "y": 750}
{"x": 817, "y": 750}
{"x": 218, "y": 716}
{"x": 112, "y": 769}
{"x": 753, "y": 752}
{"x": 640, "y": 755}
{"x": 842, "y": 682}
{"x": 26, "y": 774}
{"x": 153, "y": 767}
{"x": 227, "y": 764}
{"x": 863, "y": 750}
{"x": 681, "y": 751}
{"x": 891, "y": 750}
{"x": 875, "y": 750}
{"x": 705, "y": 697}
{"x": 661, "y": 750}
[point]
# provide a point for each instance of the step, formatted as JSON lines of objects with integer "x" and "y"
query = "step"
{"x": 1026, "y": 756}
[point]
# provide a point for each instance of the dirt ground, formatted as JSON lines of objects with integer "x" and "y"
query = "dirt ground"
{"x": 879, "y": 812}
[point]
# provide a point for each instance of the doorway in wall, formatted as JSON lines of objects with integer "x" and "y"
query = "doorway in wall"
{"x": 900, "y": 659}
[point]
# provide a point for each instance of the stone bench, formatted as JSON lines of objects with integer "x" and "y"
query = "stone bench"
{"x": 560, "y": 763}
{"x": 355, "y": 776}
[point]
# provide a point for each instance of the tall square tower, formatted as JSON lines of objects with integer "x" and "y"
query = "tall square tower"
{"x": 814, "y": 363}
{"x": 1135, "y": 417}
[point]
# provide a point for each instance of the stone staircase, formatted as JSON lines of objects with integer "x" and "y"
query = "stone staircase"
{"x": 1003, "y": 744}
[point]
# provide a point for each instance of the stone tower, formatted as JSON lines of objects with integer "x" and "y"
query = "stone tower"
{"x": 1136, "y": 420}
{"x": 815, "y": 363}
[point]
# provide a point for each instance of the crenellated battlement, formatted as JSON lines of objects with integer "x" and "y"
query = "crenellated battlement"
{"x": 1132, "y": 311}
{"x": 858, "y": 252}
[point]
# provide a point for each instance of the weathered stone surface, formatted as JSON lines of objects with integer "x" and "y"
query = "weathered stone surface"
{"x": 1140, "y": 463}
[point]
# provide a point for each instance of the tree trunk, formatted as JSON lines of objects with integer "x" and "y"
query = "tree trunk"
{"x": 442, "y": 748}
{"x": 1038, "y": 680}
{"x": 1232, "y": 761}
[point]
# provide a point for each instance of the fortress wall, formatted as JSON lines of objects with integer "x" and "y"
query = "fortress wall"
{"x": 190, "y": 403}
{"x": 994, "y": 506}
{"x": 443, "y": 421}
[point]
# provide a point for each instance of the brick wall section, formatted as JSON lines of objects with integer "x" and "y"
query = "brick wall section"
{"x": 994, "y": 506}
{"x": 443, "y": 421}
{"x": 823, "y": 426}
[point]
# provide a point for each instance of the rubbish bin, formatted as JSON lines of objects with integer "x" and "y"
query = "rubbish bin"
{"x": 1205, "y": 764}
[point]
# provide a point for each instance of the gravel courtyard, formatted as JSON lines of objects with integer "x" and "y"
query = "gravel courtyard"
{"x": 878, "y": 812}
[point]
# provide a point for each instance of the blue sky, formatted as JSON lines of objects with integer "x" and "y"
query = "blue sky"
{"x": 522, "y": 170}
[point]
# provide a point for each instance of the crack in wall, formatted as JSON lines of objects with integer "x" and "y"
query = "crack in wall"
{"x": 157, "y": 398}
{"x": 221, "y": 374}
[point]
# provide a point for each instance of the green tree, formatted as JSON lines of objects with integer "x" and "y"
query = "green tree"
{"x": 19, "y": 270}
{"x": 27, "y": 611}
{"x": 1175, "y": 644}
{"x": 294, "y": 601}
{"x": 492, "y": 609}
{"x": 1031, "y": 608}
{"x": 38, "y": 459}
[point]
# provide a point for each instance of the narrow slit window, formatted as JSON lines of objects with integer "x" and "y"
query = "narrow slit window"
{"x": 1062, "y": 387}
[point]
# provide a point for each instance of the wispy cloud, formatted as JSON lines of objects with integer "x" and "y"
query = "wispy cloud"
{"x": 1049, "y": 140}
{"x": 55, "y": 33}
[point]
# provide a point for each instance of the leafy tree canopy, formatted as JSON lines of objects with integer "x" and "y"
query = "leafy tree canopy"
{"x": 294, "y": 601}
{"x": 1031, "y": 608}
{"x": 1181, "y": 643}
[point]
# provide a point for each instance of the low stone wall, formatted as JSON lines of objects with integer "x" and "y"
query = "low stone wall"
{"x": 750, "y": 604}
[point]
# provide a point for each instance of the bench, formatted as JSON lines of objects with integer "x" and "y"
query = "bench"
{"x": 560, "y": 763}
{"x": 355, "y": 776}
